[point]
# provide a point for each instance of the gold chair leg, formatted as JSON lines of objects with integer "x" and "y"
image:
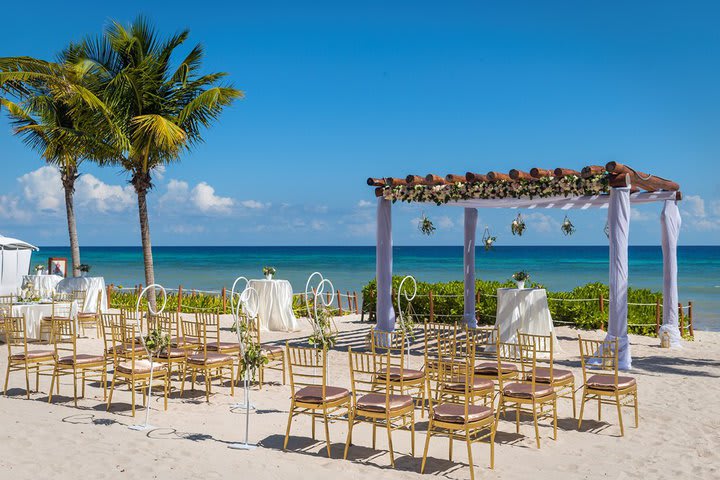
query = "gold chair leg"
{"x": 132, "y": 394}
{"x": 517, "y": 418}
{"x": 582, "y": 409}
{"x": 74, "y": 374}
{"x": 493, "y": 430}
{"x": 637, "y": 416}
{"x": 351, "y": 424}
{"x": 427, "y": 445}
{"x": 52, "y": 384}
{"x": 555, "y": 419}
{"x": 287, "y": 431}
{"x": 374, "y": 432}
{"x": 207, "y": 385}
{"x": 112, "y": 388}
{"x": 390, "y": 444}
{"x": 27, "y": 382}
{"x": 599, "y": 399}
{"x": 619, "y": 409}
{"x": 535, "y": 421}
{"x": 469, "y": 449}
{"x": 7, "y": 379}
{"x": 327, "y": 430}
{"x": 572, "y": 387}
{"x": 412, "y": 433}
{"x": 167, "y": 388}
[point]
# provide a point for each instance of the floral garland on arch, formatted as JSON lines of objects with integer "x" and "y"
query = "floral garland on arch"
{"x": 567, "y": 186}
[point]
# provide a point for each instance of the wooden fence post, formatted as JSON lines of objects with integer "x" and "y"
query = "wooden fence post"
{"x": 108, "y": 294}
{"x": 602, "y": 303}
{"x": 224, "y": 300}
{"x": 682, "y": 319}
{"x": 657, "y": 316}
{"x": 339, "y": 302}
{"x": 357, "y": 308}
{"x": 690, "y": 319}
{"x": 179, "y": 302}
{"x": 432, "y": 306}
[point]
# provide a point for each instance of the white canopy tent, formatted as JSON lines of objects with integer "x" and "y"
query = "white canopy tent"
{"x": 14, "y": 263}
{"x": 596, "y": 187}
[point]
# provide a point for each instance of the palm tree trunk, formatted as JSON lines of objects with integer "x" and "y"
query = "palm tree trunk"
{"x": 146, "y": 244}
{"x": 68, "y": 176}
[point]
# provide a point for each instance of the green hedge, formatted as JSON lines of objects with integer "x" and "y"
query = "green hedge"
{"x": 448, "y": 300}
{"x": 200, "y": 302}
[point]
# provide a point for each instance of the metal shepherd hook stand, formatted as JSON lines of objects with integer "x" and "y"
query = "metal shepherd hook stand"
{"x": 409, "y": 297}
{"x": 318, "y": 294}
{"x": 250, "y": 308}
{"x": 147, "y": 425}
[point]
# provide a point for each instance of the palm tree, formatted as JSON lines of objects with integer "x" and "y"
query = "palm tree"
{"x": 160, "y": 110}
{"x": 53, "y": 109}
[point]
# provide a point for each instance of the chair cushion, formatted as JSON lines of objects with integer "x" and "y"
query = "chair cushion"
{"x": 272, "y": 349}
{"x": 524, "y": 390}
{"x": 542, "y": 374}
{"x": 120, "y": 349}
{"x": 313, "y": 394}
{"x": 607, "y": 382}
{"x": 141, "y": 367}
{"x": 211, "y": 359}
{"x": 458, "y": 384}
{"x": 33, "y": 355}
{"x": 86, "y": 315}
{"x": 215, "y": 346}
{"x": 375, "y": 402}
{"x": 455, "y": 413}
{"x": 396, "y": 373}
{"x": 172, "y": 353}
{"x": 82, "y": 359}
{"x": 177, "y": 341}
{"x": 491, "y": 368}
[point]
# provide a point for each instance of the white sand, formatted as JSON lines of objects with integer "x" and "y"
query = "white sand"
{"x": 678, "y": 435}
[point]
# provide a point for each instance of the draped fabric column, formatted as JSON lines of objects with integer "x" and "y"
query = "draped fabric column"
{"x": 619, "y": 224}
{"x": 471, "y": 216}
{"x": 671, "y": 221}
{"x": 385, "y": 314}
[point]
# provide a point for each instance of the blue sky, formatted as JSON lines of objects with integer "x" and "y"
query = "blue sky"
{"x": 339, "y": 91}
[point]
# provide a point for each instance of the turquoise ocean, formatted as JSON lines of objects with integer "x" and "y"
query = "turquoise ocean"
{"x": 349, "y": 268}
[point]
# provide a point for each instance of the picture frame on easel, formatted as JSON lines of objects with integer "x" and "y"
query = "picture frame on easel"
{"x": 57, "y": 266}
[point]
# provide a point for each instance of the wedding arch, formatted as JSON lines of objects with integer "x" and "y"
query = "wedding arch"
{"x": 614, "y": 187}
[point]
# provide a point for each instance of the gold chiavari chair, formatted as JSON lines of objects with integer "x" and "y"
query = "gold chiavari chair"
{"x": 487, "y": 355}
{"x": 6, "y": 303}
{"x": 172, "y": 357}
{"x": 20, "y": 359}
{"x": 606, "y": 387}
{"x": 115, "y": 348}
{"x": 311, "y": 395}
{"x": 61, "y": 308}
{"x": 373, "y": 400}
{"x": 563, "y": 381}
{"x": 133, "y": 370}
{"x": 406, "y": 380}
{"x": 87, "y": 319}
{"x": 525, "y": 393}
{"x": 211, "y": 365}
{"x": 69, "y": 362}
{"x": 274, "y": 353}
{"x": 433, "y": 332}
{"x": 457, "y": 416}
{"x": 212, "y": 320}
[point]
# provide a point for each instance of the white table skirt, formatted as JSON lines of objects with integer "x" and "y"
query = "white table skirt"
{"x": 525, "y": 310}
{"x": 275, "y": 305}
{"x": 34, "y": 312}
{"x": 93, "y": 286}
{"x": 45, "y": 285}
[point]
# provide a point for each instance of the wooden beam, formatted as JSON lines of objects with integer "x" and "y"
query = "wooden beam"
{"x": 650, "y": 183}
{"x": 540, "y": 172}
{"x": 562, "y": 172}
{"x": 375, "y": 182}
{"x": 455, "y": 178}
{"x": 496, "y": 176}
{"x": 475, "y": 177}
{"x": 432, "y": 179}
{"x": 415, "y": 180}
{"x": 592, "y": 170}
{"x": 394, "y": 182}
{"x": 619, "y": 180}
{"x": 520, "y": 175}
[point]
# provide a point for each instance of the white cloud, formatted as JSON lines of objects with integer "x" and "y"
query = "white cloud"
{"x": 254, "y": 204}
{"x": 185, "y": 229}
{"x": 539, "y": 222}
{"x": 204, "y": 198}
{"x": 11, "y": 209}
{"x": 43, "y": 189}
{"x": 318, "y": 225}
{"x": 693, "y": 205}
{"x": 637, "y": 215}
{"x": 159, "y": 172}
{"x": 98, "y": 195}
{"x": 364, "y": 204}
{"x": 696, "y": 216}
{"x": 176, "y": 193}
{"x": 445, "y": 222}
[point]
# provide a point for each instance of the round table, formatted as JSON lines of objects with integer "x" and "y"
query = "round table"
{"x": 43, "y": 284}
{"x": 92, "y": 286}
{"x": 524, "y": 309}
{"x": 33, "y": 313}
{"x": 275, "y": 305}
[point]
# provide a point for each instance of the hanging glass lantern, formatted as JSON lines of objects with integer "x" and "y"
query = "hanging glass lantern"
{"x": 517, "y": 227}
{"x": 567, "y": 226}
{"x": 488, "y": 240}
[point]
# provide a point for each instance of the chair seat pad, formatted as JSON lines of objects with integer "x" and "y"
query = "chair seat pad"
{"x": 607, "y": 382}
{"x": 82, "y": 359}
{"x": 210, "y": 359}
{"x": 542, "y": 375}
{"x": 455, "y": 413}
{"x": 142, "y": 367}
{"x": 86, "y": 315}
{"x": 120, "y": 349}
{"x": 272, "y": 349}
{"x": 525, "y": 390}
{"x": 34, "y": 355}
{"x": 491, "y": 368}
{"x": 177, "y": 341}
{"x": 215, "y": 346}
{"x": 375, "y": 402}
{"x": 457, "y": 383}
{"x": 313, "y": 394}
{"x": 172, "y": 353}
{"x": 397, "y": 374}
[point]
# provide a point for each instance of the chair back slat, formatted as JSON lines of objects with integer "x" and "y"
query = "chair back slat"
{"x": 15, "y": 329}
{"x": 307, "y": 367}
{"x": 107, "y": 322}
{"x": 601, "y": 355}
{"x": 541, "y": 345}
{"x": 212, "y": 324}
{"x": 63, "y": 336}
{"x": 370, "y": 373}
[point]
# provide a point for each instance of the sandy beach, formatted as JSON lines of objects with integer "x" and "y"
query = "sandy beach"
{"x": 677, "y": 437}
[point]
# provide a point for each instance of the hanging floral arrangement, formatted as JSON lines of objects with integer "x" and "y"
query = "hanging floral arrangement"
{"x": 488, "y": 240}
{"x": 567, "y": 226}
{"x": 426, "y": 226}
{"x": 517, "y": 227}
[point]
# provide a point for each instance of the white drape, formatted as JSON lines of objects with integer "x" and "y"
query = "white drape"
{"x": 274, "y": 307}
{"x": 93, "y": 287}
{"x": 671, "y": 221}
{"x": 471, "y": 216}
{"x": 619, "y": 225}
{"x": 384, "y": 312}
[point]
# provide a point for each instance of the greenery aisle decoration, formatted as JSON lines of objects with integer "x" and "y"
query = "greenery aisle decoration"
{"x": 426, "y": 226}
{"x": 488, "y": 240}
{"x": 156, "y": 342}
{"x": 517, "y": 227}
{"x": 253, "y": 356}
{"x": 319, "y": 314}
{"x": 567, "y": 226}
{"x": 406, "y": 321}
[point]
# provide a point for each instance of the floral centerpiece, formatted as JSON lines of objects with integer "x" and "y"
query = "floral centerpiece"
{"x": 426, "y": 226}
{"x": 28, "y": 294}
{"x": 269, "y": 272}
{"x": 520, "y": 278}
{"x": 39, "y": 268}
{"x": 83, "y": 268}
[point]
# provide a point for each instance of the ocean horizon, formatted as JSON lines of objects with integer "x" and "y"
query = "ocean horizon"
{"x": 351, "y": 267}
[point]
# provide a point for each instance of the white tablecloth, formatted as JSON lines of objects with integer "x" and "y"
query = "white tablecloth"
{"x": 33, "y": 314}
{"x": 93, "y": 286}
{"x": 275, "y": 305}
{"x": 525, "y": 310}
{"x": 43, "y": 284}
